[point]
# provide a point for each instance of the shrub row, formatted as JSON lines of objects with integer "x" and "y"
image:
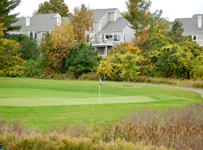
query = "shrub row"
{"x": 189, "y": 83}
{"x": 56, "y": 141}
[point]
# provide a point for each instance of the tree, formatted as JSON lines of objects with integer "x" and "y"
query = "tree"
{"x": 53, "y": 6}
{"x": 9, "y": 56}
{"x": 82, "y": 20}
{"x": 5, "y": 8}
{"x": 82, "y": 59}
{"x": 129, "y": 66}
{"x": 57, "y": 45}
{"x": 176, "y": 31}
{"x": 27, "y": 48}
{"x": 138, "y": 14}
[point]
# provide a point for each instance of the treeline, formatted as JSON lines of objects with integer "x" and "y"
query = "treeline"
{"x": 160, "y": 51}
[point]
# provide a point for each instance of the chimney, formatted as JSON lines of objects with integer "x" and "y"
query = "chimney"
{"x": 27, "y": 21}
{"x": 199, "y": 21}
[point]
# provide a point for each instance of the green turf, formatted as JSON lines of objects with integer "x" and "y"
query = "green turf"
{"x": 44, "y": 103}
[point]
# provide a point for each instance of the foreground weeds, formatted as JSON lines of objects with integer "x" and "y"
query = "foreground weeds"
{"x": 173, "y": 129}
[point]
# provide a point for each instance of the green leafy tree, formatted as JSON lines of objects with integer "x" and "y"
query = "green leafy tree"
{"x": 6, "y": 6}
{"x": 27, "y": 48}
{"x": 138, "y": 14}
{"x": 82, "y": 20}
{"x": 176, "y": 31}
{"x": 81, "y": 60}
{"x": 129, "y": 66}
{"x": 53, "y": 6}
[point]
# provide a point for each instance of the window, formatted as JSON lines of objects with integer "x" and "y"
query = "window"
{"x": 124, "y": 37}
{"x": 35, "y": 35}
{"x": 103, "y": 36}
{"x": 31, "y": 35}
{"x": 117, "y": 37}
{"x": 194, "y": 37}
{"x": 109, "y": 36}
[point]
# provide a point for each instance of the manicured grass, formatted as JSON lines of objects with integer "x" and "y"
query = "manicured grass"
{"x": 45, "y": 103}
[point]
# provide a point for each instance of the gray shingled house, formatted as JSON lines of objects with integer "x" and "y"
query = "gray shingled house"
{"x": 110, "y": 28}
{"x": 193, "y": 27}
{"x": 37, "y": 25}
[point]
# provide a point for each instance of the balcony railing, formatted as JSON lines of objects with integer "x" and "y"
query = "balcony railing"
{"x": 102, "y": 42}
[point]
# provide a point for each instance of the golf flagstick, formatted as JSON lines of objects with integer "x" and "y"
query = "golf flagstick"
{"x": 100, "y": 83}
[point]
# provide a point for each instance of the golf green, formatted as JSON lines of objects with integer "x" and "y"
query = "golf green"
{"x": 44, "y": 103}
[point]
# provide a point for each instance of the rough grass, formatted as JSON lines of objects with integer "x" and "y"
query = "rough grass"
{"x": 21, "y": 93}
{"x": 172, "y": 129}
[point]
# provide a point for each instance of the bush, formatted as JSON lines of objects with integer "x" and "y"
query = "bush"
{"x": 16, "y": 71}
{"x": 82, "y": 59}
{"x": 28, "y": 47}
{"x": 34, "y": 68}
{"x": 89, "y": 76}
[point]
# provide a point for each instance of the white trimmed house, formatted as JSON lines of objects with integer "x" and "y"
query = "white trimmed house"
{"x": 193, "y": 27}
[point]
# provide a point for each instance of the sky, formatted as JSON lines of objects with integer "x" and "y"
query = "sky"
{"x": 171, "y": 8}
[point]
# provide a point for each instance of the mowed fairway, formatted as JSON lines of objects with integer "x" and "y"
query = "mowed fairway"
{"x": 44, "y": 103}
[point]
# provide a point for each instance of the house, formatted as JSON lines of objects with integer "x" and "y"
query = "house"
{"x": 110, "y": 28}
{"x": 37, "y": 25}
{"x": 193, "y": 27}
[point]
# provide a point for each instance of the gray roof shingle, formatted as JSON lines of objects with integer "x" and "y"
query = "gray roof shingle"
{"x": 118, "y": 25}
{"x": 38, "y": 22}
{"x": 191, "y": 24}
{"x": 99, "y": 13}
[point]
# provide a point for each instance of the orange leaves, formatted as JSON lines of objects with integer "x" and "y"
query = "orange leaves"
{"x": 131, "y": 48}
{"x": 144, "y": 34}
{"x": 125, "y": 43}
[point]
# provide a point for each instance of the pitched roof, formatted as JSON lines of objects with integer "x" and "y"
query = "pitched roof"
{"x": 118, "y": 25}
{"x": 39, "y": 22}
{"x": 99, "y": 13}
{"x": 191, "y": 24}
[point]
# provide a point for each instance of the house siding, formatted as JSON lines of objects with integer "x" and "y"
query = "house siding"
{"x": 129, "y": 34}
{"x": 200, "y": 36}
{"x": 104, "y": 20}
{"x": 118, "y": 14}
{"x": 111, "y": 16}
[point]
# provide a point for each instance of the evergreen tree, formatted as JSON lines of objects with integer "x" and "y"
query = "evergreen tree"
{"x": 5, "y": 7}
{"x": 138, "y": 14}
{"x": 53, "y": 6}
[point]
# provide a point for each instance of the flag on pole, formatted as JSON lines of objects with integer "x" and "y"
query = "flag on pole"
{"x": 100, "y": 81}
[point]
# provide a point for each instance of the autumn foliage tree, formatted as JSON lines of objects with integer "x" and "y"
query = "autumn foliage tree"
{"x": 53, "y": 6}
{"x": 9, "y": 56}
{"x": 57, "y": 45}
{"x": 82, "y": 21}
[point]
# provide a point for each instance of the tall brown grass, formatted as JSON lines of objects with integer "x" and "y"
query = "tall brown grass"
{"x": 180, "y": 82}
{"x": 174, "y": 129}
